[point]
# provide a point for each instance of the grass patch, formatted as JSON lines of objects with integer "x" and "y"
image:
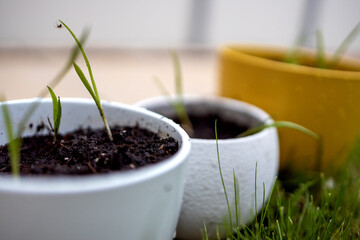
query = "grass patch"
{"x": 309, "y": 205}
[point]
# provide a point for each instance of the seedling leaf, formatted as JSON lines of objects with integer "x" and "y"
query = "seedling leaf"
{"x": 85, "y": 58}
{"x": 13, "y": 143}
{"x": 54, "y": 102}
{"x": 178, "y": 76}
{"x": 344, "y": 46}
{"x": 320, "y": 50}
{"x": 58, "y": 117}
{"x": 85, "y": 82}
{"x": 280, "y": 124}
{"x": 56, "y": 112}
{"x": 178, "y": 104}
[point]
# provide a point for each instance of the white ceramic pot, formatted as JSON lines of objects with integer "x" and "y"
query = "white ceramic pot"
{"x": 204, "y": 200}
{"x": 138, "y": 204}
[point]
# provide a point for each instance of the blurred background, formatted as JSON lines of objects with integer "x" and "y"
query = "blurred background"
{"x": 129, "y": 39}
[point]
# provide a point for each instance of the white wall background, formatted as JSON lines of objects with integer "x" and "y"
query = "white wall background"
{"x": 166, "y": 23}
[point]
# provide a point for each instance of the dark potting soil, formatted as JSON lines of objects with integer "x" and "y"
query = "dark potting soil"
{"x": 204, "y": 126}
{"x": 87, "y": 151}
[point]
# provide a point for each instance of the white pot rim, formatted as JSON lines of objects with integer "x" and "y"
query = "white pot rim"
{"x": 218, "y": 101}
{"x": 97, "y": 182}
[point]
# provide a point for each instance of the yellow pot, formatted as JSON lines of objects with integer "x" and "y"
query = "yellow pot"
{"x": 325, "y": 101}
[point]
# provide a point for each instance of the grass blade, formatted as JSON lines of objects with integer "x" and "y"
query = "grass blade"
{"x": 85, "y": 58}
{"x": 279, "y": 230}
{"x": 221, "y": 175}
{"x": 280, "y": 124}
{"x": 178, "y": 104}
{"x": 320, "y": 50}
{"x": 85, "y": 82}
{"x": 205, "y": 233}
{"x": 13, "y": 142}
{"x": 344, "y": 46}
{"x": 56, "y": 112}
{"x": 236, "y": 193}
{"x": 54, "y": 102}
{"x": 58, "y": 118}
{"x": 178, "y": 76}
{"x": 292, "y": 55}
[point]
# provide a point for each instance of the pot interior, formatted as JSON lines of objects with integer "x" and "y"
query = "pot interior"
{"x": 232, "y": 119}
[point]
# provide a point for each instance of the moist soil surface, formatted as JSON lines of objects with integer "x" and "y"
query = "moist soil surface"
{"x": 87, "y": 151}
{"x": 204, "y": 126}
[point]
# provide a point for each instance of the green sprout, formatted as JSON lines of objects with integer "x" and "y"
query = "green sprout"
{"x": 56, "y": 112}
{"x": 344, "y": 46}
{"x": 178, "y": 103}
{"x": 293, "y": 54}
{"x": 91, "y": 88}
{"x": 14, "y": 143}
{"x": 54, "y": 82}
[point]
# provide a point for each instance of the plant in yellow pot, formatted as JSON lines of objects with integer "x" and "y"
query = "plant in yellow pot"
{"x": 322, "y": 99}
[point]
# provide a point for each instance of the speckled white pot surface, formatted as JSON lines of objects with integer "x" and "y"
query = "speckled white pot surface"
{"x": 252, "y": 157}
{"x": 138, "y": 204}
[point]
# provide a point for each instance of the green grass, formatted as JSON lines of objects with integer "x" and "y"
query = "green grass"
{"x": 293, "y": 54}
{"x": 309, "y": 205}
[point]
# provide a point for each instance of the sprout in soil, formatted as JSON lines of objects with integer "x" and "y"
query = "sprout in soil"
{"x": 178, "y": 103}
{"x": 91, "y": 89}
{"x": 56, "y": 112}
{"x": 14, "y": 141}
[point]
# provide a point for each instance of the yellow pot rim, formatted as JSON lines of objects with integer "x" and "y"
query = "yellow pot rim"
{"x": 263, "y": 56}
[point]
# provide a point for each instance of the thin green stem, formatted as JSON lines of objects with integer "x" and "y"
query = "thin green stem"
{"x": 179, "y": 107}
{"x": 221, "y": 175}
{"x": 320, "y": 50}
{"x": 236, "y": 192}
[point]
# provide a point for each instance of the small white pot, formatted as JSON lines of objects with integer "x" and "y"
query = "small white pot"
{"x": 134, "y": 205}
{"x": 204, "y": 200}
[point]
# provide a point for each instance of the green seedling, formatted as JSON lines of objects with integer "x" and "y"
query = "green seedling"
{"x": 92, "y": 89}
{"x": 344, "y": 46}
{"x": 54, "y": 82}
{"x": 14, "y": 143}
{"x": 178, "y": 103}
{"x": 56, "y": 112}
{"x": 293, "y": 54}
